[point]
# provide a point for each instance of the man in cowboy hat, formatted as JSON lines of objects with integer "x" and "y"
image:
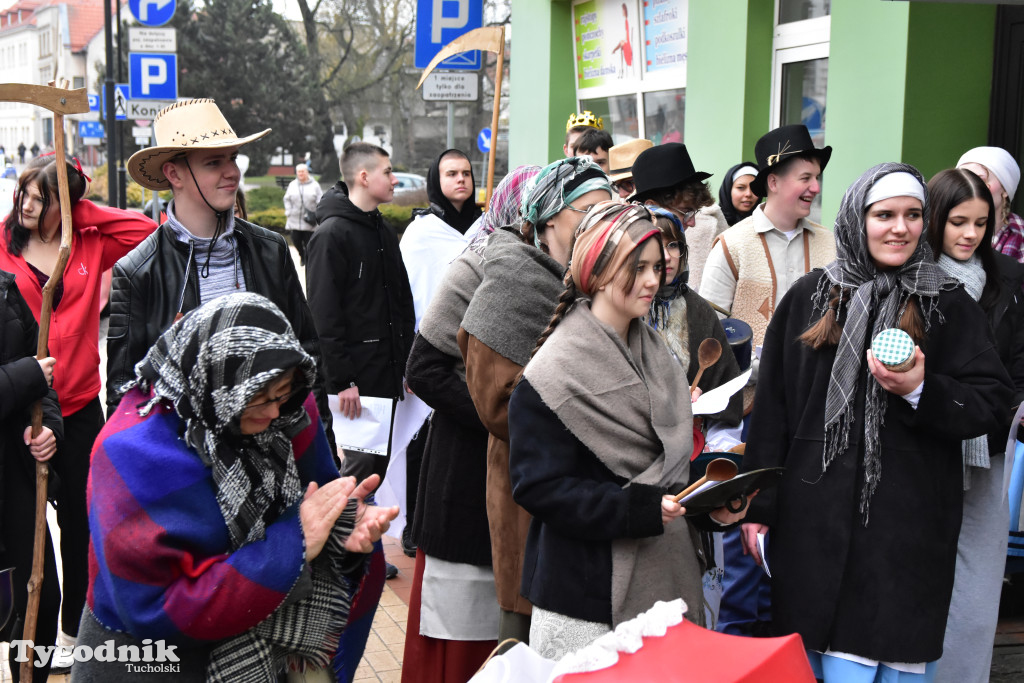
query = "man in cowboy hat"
{"x": 620, "y": 164}
{"x": 202, "y": 251}
{"x": 751, "y": 267}
{"x": 664, "y": 176}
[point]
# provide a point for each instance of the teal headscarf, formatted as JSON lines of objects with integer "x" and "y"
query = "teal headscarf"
{"x": 558, "y": 185}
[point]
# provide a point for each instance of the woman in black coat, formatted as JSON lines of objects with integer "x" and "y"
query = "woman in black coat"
{"x": 23, "y": 381}
{"x": 864, "y": 524}
{"x": 961, "y": 223}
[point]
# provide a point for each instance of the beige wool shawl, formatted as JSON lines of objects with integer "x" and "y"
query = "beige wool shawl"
{"x": 630, "y": 405}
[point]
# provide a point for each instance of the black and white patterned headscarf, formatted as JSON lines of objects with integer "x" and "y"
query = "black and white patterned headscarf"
{"x": 210, "y": 365}
{"x": 872, "y": 293}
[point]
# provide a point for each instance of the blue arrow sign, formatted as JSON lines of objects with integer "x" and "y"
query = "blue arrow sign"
{"x": 153, "y": 75}
{"x": 439, "y": 22}
{"x": 483, "y": 140}
{"x": 94, "y": 102}
{"x": 91, "y": 129}
{"x": 152, "y": 12}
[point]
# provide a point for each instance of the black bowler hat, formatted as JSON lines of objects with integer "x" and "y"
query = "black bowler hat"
{"x": 781, "y": 144}
{"x": 661, "y": 167}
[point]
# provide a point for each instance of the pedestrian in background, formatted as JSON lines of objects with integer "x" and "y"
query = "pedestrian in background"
{"x": 300, "y": 202}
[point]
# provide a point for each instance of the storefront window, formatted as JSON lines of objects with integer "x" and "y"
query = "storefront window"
{"x": 619, "y": 113}
{"x": 799, "y": 10}
{"x": 664, "y": 115}
{"x": 803, "y": 96}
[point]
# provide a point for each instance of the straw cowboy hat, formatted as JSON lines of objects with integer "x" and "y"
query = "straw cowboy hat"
{"x": 621, "y": 158}
{"x": 180, "y": 128}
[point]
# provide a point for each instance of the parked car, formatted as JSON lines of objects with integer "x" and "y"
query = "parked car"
{"x": 411, "y": 190}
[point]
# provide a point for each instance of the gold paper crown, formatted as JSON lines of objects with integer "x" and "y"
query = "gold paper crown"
{"x": 584, "y": 118}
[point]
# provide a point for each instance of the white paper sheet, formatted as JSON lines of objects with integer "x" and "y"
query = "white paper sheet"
{"x": 717, "y": 400}
{"x": 409, "y": 418}
{"x": 367, "y": 433}
{"x": 764, "y": 557}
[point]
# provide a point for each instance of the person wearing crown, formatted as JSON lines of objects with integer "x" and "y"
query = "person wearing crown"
{"x": 202, "y": 251}
{"x": 576, "y": 126}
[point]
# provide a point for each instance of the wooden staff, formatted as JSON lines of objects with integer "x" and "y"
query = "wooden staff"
{"x": 487, "y": 39}
{"x": 60, "y": 101}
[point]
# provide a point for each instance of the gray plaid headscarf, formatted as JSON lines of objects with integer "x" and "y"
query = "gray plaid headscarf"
{"x": 882, "y": 294}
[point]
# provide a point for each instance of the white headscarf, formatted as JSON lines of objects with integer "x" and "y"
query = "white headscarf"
{"x": 999, "y": 162}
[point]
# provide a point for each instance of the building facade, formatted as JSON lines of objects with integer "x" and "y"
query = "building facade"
{"x": 879, "y": 80}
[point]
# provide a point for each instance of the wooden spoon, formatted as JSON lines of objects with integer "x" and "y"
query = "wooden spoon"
{"x": 719, "y": 469}
{"x": 708, "y": 353}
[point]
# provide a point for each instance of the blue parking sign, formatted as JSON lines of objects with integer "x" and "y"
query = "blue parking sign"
{"x": 94, "y": 102}
{"x": 439, "y": 22}
{"x": 153, "y": 75}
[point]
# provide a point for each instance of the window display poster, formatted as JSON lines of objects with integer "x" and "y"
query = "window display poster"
{"x": 665, "y": 34}
{"x": 606, "y": 36}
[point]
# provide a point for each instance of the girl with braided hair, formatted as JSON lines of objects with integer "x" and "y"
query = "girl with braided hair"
{"x": 601, "y": 434}
{"x": 864, "y": 523}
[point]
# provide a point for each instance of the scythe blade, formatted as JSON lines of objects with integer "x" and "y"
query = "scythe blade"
{"x": 487, "y": 38}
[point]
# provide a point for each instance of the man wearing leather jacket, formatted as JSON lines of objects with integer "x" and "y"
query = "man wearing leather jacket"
{"x": 202, "y": 251}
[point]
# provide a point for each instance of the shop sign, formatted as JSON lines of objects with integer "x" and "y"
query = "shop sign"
{"x": 664, "y": 34}
{"x": 607, "y": 41}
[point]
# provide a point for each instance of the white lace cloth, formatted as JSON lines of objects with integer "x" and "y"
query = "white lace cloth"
{"x": 523, "y": 665}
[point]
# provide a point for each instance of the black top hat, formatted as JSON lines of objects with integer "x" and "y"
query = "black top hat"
{"x": 661, "y": 167}
{"x": 781, "y": 144}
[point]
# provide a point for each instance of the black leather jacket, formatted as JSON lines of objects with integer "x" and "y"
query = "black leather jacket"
{"x": 149, "y": 288}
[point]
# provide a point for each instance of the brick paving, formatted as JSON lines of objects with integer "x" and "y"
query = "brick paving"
{"x": 382, "y": 660}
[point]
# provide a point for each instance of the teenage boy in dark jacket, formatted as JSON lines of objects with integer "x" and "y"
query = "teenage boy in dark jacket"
{"x": 202, "y": 251}
{"x": 359, "y": 291}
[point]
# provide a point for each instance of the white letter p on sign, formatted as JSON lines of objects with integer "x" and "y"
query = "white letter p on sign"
{"x": 154, "y": 72}
{"x": 441, "y": 22}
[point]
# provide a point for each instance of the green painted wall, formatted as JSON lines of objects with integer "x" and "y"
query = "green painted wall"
{"x": 949, "y": 83}
{"x": 728, "y": 81}
{"x": 866, "y": 82}
{"x": 542, "y": 93}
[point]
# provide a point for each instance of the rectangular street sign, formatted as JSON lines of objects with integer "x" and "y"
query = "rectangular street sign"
{"x": 92, "y": 142}
{"x": 145, "y": 109}
{"x": 439, "y": 22}
{"x": 143, "y": 39}
{"x": 442, "y": 86}
{"x": 120, "y": 101}
{"x": 141, "y": 131}
{"x": 153, "y": 76}
{"x": 90, "y": 129}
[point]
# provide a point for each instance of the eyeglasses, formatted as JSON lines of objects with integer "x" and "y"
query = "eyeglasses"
{"x": 685, "y": 215}
{"x": 284, "y": 398}
{"x": 624, "y": 186}
{"x": 674, "y": 248}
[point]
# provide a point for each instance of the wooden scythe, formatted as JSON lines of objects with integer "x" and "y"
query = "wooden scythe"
{"x": 487, "y": 39}
{"x": 60, "y": 101}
